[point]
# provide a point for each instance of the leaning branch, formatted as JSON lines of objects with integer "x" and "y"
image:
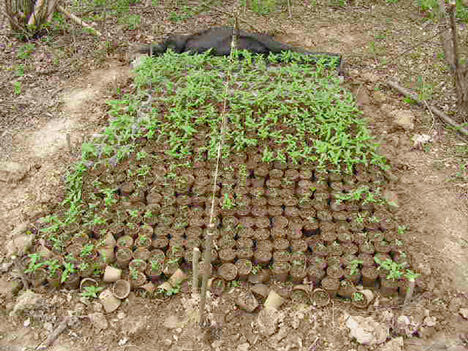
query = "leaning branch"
{"x": 230, "y": 15}
{"x": 78, "y": 20}
{"x": 434, "y": 110}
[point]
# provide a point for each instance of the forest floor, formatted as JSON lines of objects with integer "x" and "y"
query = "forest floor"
{"x": 55, "y": 90}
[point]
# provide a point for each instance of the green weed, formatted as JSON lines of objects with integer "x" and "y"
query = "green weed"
{"x": 25, "y": 51}
{"x": 17, "y": 86}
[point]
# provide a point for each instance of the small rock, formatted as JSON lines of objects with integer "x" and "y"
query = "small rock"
{"x": 243, "y": 347}
{"x": 27, "y": 322}
{"x": 48, "y": 326}
{"x": 403, "y": 119}
{"x": 122, "y": 341}
{"x": 96, "y": 307}
{"x": 19, "y": 229}
{"x": 247, "y": 301}
{"x": 27, "y": 301}
{"x": 267, "y": 321}
{"x": 379, "y": 97}
{"x": 12, "y": 172}
{"x": 362, "y": 97}
{"x": 393, "y": 345}
{"x": 366, "y": 330}
{"x": 8, "y": 288}
{"x": 430, "y": 321}
{"x": 138, "y": 61}
{"x": 370, "y": 77}
{"x": 171, "y": 322}
{"x": 98, "y": 320}
{"x": 391, "y": 197}
{"x": 386, "y": 109}
{"x": 133, "y": 326}
{"x": 419, "y": 140}
{"x": 20, "y": 245}
{"x": 260, "y": 290}
{"x": 463, "y": 312}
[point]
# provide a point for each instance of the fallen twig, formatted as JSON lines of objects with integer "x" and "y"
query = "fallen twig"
{"x": 78, "y": 20}
{"x": 431, "y": 108}
{"x": 67, "y": 322}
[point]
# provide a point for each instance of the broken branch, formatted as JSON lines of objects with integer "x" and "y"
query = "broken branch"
{"x": 230, "y": 15}
{"x": 435, "y": 110}
{"x": 78, "y": 20}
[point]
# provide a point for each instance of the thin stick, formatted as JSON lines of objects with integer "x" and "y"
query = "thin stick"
{"x": 229, "y": 14}
{"x": 78, "y": 20}
{"x": 67, "y": 321}
{"x": 210, "y": 234}
{"x": 289, "y": 9}
{"x": 434, "y": 110}
{"x": 195, "y": 270}
{"x": 69, "y": 145}
{"x": 37, "y": 13}
{"x": 51, "y": 9}
{"x": 409, "y": 292}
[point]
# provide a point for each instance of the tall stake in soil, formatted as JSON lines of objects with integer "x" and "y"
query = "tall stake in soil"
{"x": 196, "y": 269}
{"x": 209, "y": 237}
{"x": 409, "y": 291}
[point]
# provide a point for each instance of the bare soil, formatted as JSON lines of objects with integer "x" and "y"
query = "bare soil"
{"x": 67, "y": 96}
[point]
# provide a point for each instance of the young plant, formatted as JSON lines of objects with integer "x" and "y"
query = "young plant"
{"x": 87, "y": 250}
{"x": 91, "y": 292}
{"x": 354, "y": 266}
{"x": 228, "y": 202}
{"x": 68, "y": 269}
{"x": 35, "y": 263}
{"x": 357, "y": 297}
{"x": 133, "y": 273}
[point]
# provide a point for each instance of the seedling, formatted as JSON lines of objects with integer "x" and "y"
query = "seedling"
{"x": 354, "y": 265}
{"x": 87, "y": 250}
{"x": 17, "y": 87}
{"x": 155, "y": 265}
{"x": 25, "y": 51}
{"x": 235, "y": 284}
{"x": 402, "y": 229}
{"x": 228, "y": 202}
{"x": 357, "y": 297}
{"x": 69, "y": 268}
{"x": 91, "y": 292}
{"x": 133, "y": 273}
{"x": 173, "y": 291}
{"x": 395, "y": 270}
{"x": 34, "y": 263}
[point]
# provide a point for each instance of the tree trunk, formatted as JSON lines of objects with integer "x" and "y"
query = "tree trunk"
{"x": 449, "y": 40}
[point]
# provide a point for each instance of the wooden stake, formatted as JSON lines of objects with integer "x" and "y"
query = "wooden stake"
{"x": 78, "y": 20}
{"x": 195, "y": 270}
{"x": 434, "y": 110}
{"x": 409, "y": 291}
{"x": 69, "y": 145}
{"x": 37, "y": 13}
{"x": 209, "y": 237}
{"x": 289, "y": 8}
{"x": 206, "y": 273}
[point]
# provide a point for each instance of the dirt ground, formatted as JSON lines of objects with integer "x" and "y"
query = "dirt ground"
{"x": 62, "y": 104}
